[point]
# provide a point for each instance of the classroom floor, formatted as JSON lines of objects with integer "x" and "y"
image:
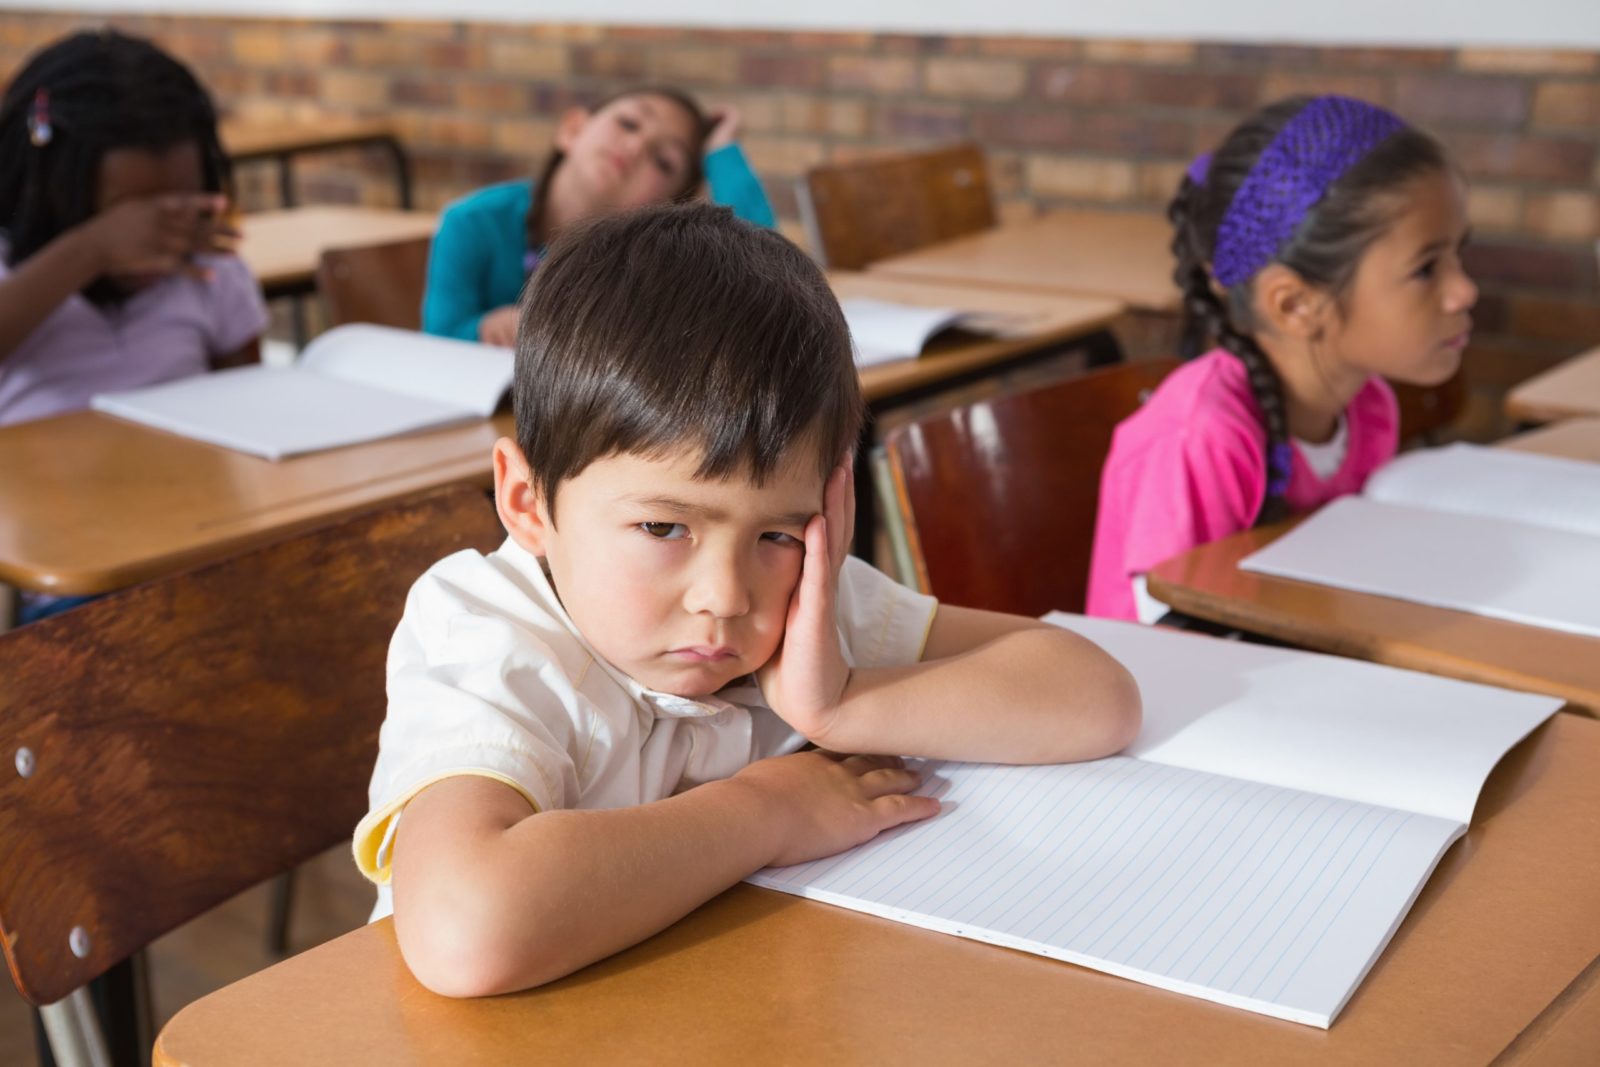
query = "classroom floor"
{"x": 224, "y": 945}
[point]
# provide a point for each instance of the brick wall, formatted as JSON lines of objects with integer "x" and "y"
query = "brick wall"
{"x": 1108, "y": 123}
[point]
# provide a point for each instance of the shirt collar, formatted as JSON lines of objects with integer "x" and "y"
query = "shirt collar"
{"x": 740, "y": 693}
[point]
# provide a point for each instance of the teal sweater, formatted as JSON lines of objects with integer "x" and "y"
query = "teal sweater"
{"x": 478, "y": 261}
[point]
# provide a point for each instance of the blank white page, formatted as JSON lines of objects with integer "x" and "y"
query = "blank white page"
{"x": 275, "y": 412}
{"x": 883, "y": 331}
{"x": 1324, "y": 724}
{"x": 1243, "y": 893}
{"x": 461, "y": 374}
{"x": 1486, "y": 566}
{"x": 1553, "y": 491}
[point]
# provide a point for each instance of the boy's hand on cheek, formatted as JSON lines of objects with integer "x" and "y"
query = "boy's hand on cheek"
{"x": 805, "y": 680}
{"x": 824, "y": 804}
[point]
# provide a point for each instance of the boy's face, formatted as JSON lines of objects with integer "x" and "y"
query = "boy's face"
{"x": 682, "y": 584}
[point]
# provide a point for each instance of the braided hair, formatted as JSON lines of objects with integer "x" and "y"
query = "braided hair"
{"x": 1325, "y": 249}
{"x": 694, "y": 174}
{"x": 99, "y": 90}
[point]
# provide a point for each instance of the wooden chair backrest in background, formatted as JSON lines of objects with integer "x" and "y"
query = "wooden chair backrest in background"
{"x": 859, "y": 212}
{"x": 999, "y": 498}
{"x": 189, "y": 738}
{"x": 382, "y": 284}
{"x": 1426, "y": 411}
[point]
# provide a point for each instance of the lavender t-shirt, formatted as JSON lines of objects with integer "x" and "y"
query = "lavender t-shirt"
{"x": 170, "y": 330}
{"x": 1190, "y": 467}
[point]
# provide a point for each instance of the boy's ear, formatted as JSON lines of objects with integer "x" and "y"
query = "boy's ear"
{"x": 522, "y": 510}
{"x": 570, "y": 125}
{"x": 1288, "y": 305}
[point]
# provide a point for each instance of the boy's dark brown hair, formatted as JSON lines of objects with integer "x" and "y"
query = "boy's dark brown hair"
{"x": 680, "y": 326}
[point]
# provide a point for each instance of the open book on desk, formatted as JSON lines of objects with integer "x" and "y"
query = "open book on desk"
{"x": 352, "y": 384}
{"x": 885, "y": 331}
{"x": 1491, "y": 531}
{"x": 1257, "y": 846}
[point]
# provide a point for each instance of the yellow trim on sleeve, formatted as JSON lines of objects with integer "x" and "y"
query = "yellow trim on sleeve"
{"x": 374, "y": 826}
{"x": 927, "y": 631}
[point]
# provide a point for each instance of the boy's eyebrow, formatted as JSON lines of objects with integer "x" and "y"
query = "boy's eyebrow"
{"x": 713, "y": 514}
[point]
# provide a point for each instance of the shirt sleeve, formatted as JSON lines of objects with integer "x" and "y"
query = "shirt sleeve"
{"x": 238, "y": 312}
{"x": 470, "y": 693}
{"x": 1186, "y": 490}
{"x": 454, "y": 301}
{"x": 733, "y": 184}
{"x": 881, "y": 622}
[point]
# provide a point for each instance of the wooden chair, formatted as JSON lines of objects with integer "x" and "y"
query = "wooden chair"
{"x": 169, "y": 746}
{"x": 999, "y": 498}
{"x": 1427, "y": 411}
{"x": 382, "y": 284}
{"x": 859, "y": 212}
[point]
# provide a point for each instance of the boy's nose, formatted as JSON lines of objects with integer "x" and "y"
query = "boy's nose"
{"x": 1463, "y": 294}
{"x": 718, "y": 589}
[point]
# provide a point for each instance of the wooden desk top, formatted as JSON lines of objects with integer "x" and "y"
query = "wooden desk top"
{"x": 245, "y": 138}
{"x": 282, "y": 247}
{"x": 90, "y": 503}
{"x": 1207, "y": 582}
{"x": 1562, "y": 392}
{"x": 1099, "y": 253}
{"x": 1503, "y": 928}
{"x": 1051, "y": 318}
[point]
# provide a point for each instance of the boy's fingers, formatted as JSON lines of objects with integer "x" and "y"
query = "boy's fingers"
{"x": 898, "y": 808}
{"x": 887, "y": 781}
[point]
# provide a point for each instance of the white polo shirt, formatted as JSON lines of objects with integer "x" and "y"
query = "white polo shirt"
{"x": 488, "y": 676}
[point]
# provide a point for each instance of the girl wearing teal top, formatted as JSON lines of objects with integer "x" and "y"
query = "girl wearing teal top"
{"x": 640, "y": 147}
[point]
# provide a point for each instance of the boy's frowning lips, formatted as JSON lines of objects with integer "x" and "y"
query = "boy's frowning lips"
{"x": 704, "y": 653}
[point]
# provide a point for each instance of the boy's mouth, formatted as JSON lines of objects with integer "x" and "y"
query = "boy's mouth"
{"x": 704, "y": 653}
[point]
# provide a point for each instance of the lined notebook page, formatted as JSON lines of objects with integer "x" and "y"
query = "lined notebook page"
{"x": 1247, "y": 894}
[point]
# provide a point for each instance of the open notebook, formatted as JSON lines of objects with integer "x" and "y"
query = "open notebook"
{"x": 1257, "y": 846}
{"x": 352, "y": 384}
{"x": 1491, "y": 531}
{"x": 884, "y": 331}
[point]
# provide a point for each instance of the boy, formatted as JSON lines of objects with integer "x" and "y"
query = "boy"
{"x": 597, "y": 727}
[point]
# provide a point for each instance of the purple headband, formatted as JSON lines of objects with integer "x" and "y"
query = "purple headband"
{"x": 1323, "y": 140}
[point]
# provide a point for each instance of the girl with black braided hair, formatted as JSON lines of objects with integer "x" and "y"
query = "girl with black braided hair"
{"x": 114, "y": 240}
{"x": 1319, "y": 251}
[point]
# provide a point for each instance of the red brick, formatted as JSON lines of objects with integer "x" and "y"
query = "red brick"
{"x": 1520, "y": 263}
{"x": 1539, "y": 158}
{"x": 1009, "y": 126}
{"x": 1528, "y": 61}
{"x": 1028, "y": 47}
{"x": 1567, "y": 104}
{"x": 1183, "y": 88}
{"x": 923, "y": 122}
{"x": 800, "y": 70}
{"x": 975, "y": 79}
{"x": 874, "y": 74}
{"x": 1281, "y": 83}
{"x": 1131, "y": 135}
{"x": 1254, "y": 56}
{"x": 1083, "y": 83}
{"x": 424, "y": 92}
{"x": 1431, "y": 98}
{"x": 609, "y": 61}
{"x": 1385, "y": 58}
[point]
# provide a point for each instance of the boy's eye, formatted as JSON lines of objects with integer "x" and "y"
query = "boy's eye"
{"x": 665, "y": 531}
{"x": 778, "y": 537}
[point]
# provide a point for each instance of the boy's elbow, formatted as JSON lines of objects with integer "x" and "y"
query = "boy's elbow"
{"x": 1124, "y": 709}
{"x": 467, "y": 951}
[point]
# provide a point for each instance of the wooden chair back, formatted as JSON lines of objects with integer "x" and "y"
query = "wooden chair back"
{"x": 999, "y": 498}
{"x": 1426, "y": 411}
{"x": 174, "y": 744}
{"x": 382, "y": 284}
{"x": 862, "y": 211}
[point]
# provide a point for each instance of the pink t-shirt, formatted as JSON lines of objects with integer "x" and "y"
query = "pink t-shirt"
{"x": 1190, "y": 467}
{"x": 170, "y": 330}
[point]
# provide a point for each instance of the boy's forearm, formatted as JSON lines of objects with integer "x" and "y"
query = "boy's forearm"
{"x": 39, "y": 285}
{"x": 563, "y": 889}
{"x": 1032, "y": 696}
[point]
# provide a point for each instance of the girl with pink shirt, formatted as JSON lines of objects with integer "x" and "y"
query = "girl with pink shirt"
{"x": 1319, "y": 251}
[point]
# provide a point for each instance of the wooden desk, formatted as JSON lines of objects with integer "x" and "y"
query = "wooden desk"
{"x": 1499, "y": 934}
{"x": 89, "y": 503}
{"x": 1566, "y": 391}
{"x": 1053, "y": 320}
{"x": 248, "y": 139}
{"x": 1207, "y": 583}
{"x": 1120, "y": 255}
{"x": 282, "y": 248}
